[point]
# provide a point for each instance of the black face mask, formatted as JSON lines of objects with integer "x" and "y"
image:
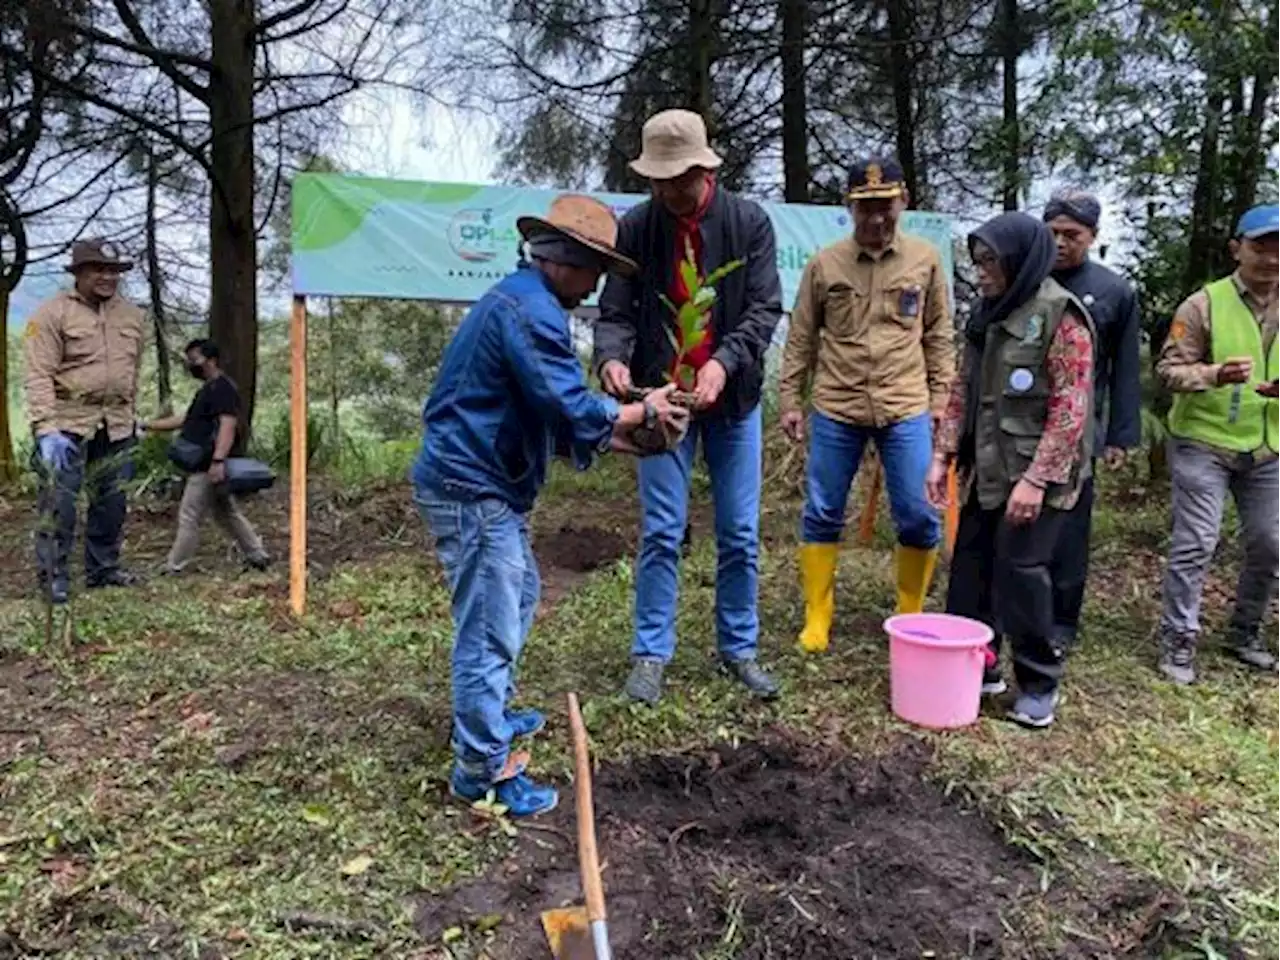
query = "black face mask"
{"x": 196, "y": 370}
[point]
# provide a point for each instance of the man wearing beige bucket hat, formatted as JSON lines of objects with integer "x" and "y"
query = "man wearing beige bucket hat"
{"x": 510, "y": 390}
{"x": 636, "y": 347}
{"x": 83, "y": 348}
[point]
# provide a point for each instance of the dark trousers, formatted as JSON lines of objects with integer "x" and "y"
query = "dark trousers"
{"x": 1000, "y": 576}
{"x": 101, "y": 467}
{"x": 1070, "y": 569}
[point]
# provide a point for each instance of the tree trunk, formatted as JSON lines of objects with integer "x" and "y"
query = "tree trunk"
{"x": 233, "y": 248}
{"x": 795, "y": 124}
{"x": 701, "y": 34}
{"x": 1249, "y": 139}
{"x": 8, "y": 464}
{"x": 1200, "y": 245}
{"x": 164, "y": 376}
{"x": 1011, "y": 138}
{"x": 10, "y": 275}
{"x": 902, "y": 74}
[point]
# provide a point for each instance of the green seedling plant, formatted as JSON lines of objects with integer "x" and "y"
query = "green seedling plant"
{"x": 691, "y": 318}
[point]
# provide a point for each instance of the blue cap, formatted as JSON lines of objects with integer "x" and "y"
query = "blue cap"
{"x": 1259, "y": 222}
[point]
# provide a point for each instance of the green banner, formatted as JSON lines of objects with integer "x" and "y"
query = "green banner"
{"x": 450, "y": 242}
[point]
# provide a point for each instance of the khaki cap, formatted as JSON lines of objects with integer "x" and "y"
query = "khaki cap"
{"x": 673, "y": 142}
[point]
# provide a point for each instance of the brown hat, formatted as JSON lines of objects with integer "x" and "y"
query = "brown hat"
{"x": 583, "y": 220}
{"x": 98, "y": 252}
{"x": 672, "y": 142}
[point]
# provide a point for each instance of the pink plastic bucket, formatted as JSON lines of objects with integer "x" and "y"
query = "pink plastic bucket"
{"x": 935, "y": 668}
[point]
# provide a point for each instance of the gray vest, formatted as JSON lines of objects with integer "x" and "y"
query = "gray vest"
{"x": 1014, "y": 399}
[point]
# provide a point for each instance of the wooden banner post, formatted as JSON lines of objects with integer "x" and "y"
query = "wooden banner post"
{"x": 953, "y": 510}
{"x": 867, "y": 521}
{"x": 298, "y": 456}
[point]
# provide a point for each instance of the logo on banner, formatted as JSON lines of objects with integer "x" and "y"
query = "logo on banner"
{"x": 472, "y": 235}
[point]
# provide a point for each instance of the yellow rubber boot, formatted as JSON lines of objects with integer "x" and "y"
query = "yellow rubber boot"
{"x": 915, "y": 572}
{"x": 818, "y": 577}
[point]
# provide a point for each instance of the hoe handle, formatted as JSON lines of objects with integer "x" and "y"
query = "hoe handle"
{"x": 588, "y": 857}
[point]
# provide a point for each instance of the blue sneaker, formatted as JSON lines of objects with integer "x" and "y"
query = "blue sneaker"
{"x": 521, "y": 794}
{"x": 525, "y": 723}
{"x": 1034, "y": 710}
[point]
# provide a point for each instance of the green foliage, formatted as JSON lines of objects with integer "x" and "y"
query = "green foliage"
{"x": 371, "y": 364}
{"x": 274, "y": 443}
{"x": 151, "y": 465}
{"x": 375, "y": 461}
{"x": 1173, "y": 103}
{"x": 692, "y": 317}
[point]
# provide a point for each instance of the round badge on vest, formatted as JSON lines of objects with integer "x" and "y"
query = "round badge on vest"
{"x": 1021, "y": 380}
{"x": 1088, "y": 299}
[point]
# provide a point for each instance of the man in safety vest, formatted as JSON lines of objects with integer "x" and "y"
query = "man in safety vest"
{"x": 1220, "y": 361}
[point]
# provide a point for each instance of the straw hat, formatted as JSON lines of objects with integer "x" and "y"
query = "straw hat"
{"x": 672, "y": 142}
{"x": 583, "y": 220}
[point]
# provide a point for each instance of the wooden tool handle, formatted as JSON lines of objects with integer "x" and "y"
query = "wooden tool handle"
{"x": 588, "y": 858}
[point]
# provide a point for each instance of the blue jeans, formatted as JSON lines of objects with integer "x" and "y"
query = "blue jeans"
{"x": 732, "y": 449}
{"x": 103, "y": 466}
{"x": 835, "y": 450}
{"x": 483, "y": 547}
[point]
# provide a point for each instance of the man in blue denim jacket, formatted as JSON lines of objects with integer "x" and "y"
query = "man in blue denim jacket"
{"x": 510, "y": 392}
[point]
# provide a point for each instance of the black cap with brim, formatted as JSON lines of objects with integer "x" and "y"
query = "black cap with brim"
{"x": 876, "y": 179}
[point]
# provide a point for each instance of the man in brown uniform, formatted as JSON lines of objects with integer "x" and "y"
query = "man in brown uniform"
{"x": 872, "y": 329}
{"x": 83, "y": 347}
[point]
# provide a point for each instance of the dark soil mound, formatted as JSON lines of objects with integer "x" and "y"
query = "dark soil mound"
{"x": 756, "y": 854}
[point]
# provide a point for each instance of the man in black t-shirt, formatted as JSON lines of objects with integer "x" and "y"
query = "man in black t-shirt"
{"x": 210, "y": 422}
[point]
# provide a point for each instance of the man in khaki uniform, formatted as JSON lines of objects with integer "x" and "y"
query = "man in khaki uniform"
{"x": 83, "y": 348}
{"x": 1220, "y": 362}
{"x": 871, "y": 335}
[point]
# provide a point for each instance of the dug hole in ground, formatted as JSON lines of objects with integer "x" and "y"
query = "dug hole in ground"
{"x": 772, "y": 849}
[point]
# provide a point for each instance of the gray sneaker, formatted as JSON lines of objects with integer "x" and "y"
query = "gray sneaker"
{"x": 1247, "y": 647}
{"x": 753, "y": 677}
{"x": 645, "y": 682}
{"x": 1178, "y": 657}
{"x": 1035, "y": 710}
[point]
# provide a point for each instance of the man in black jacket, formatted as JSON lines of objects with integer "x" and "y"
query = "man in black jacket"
{"x": 1073, "y": 217}
{"x": 635, "y": 341}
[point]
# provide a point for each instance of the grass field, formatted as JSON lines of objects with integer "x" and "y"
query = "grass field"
{"x": 202, "y": 776}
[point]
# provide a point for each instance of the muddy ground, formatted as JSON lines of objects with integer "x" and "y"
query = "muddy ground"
{"x": 342, "y": 530}
{"x": 767, "y": 851}
{"x": 350, "y": 528}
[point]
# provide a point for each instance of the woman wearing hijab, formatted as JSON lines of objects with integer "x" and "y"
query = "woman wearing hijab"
{"x": 1018, "y": 425}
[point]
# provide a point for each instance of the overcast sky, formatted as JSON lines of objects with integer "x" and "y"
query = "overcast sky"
{"x": 385, "y": 136}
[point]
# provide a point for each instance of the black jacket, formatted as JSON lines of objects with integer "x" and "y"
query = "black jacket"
{"x": 1112, "y": 304}
{"x": 633, "y": 320}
